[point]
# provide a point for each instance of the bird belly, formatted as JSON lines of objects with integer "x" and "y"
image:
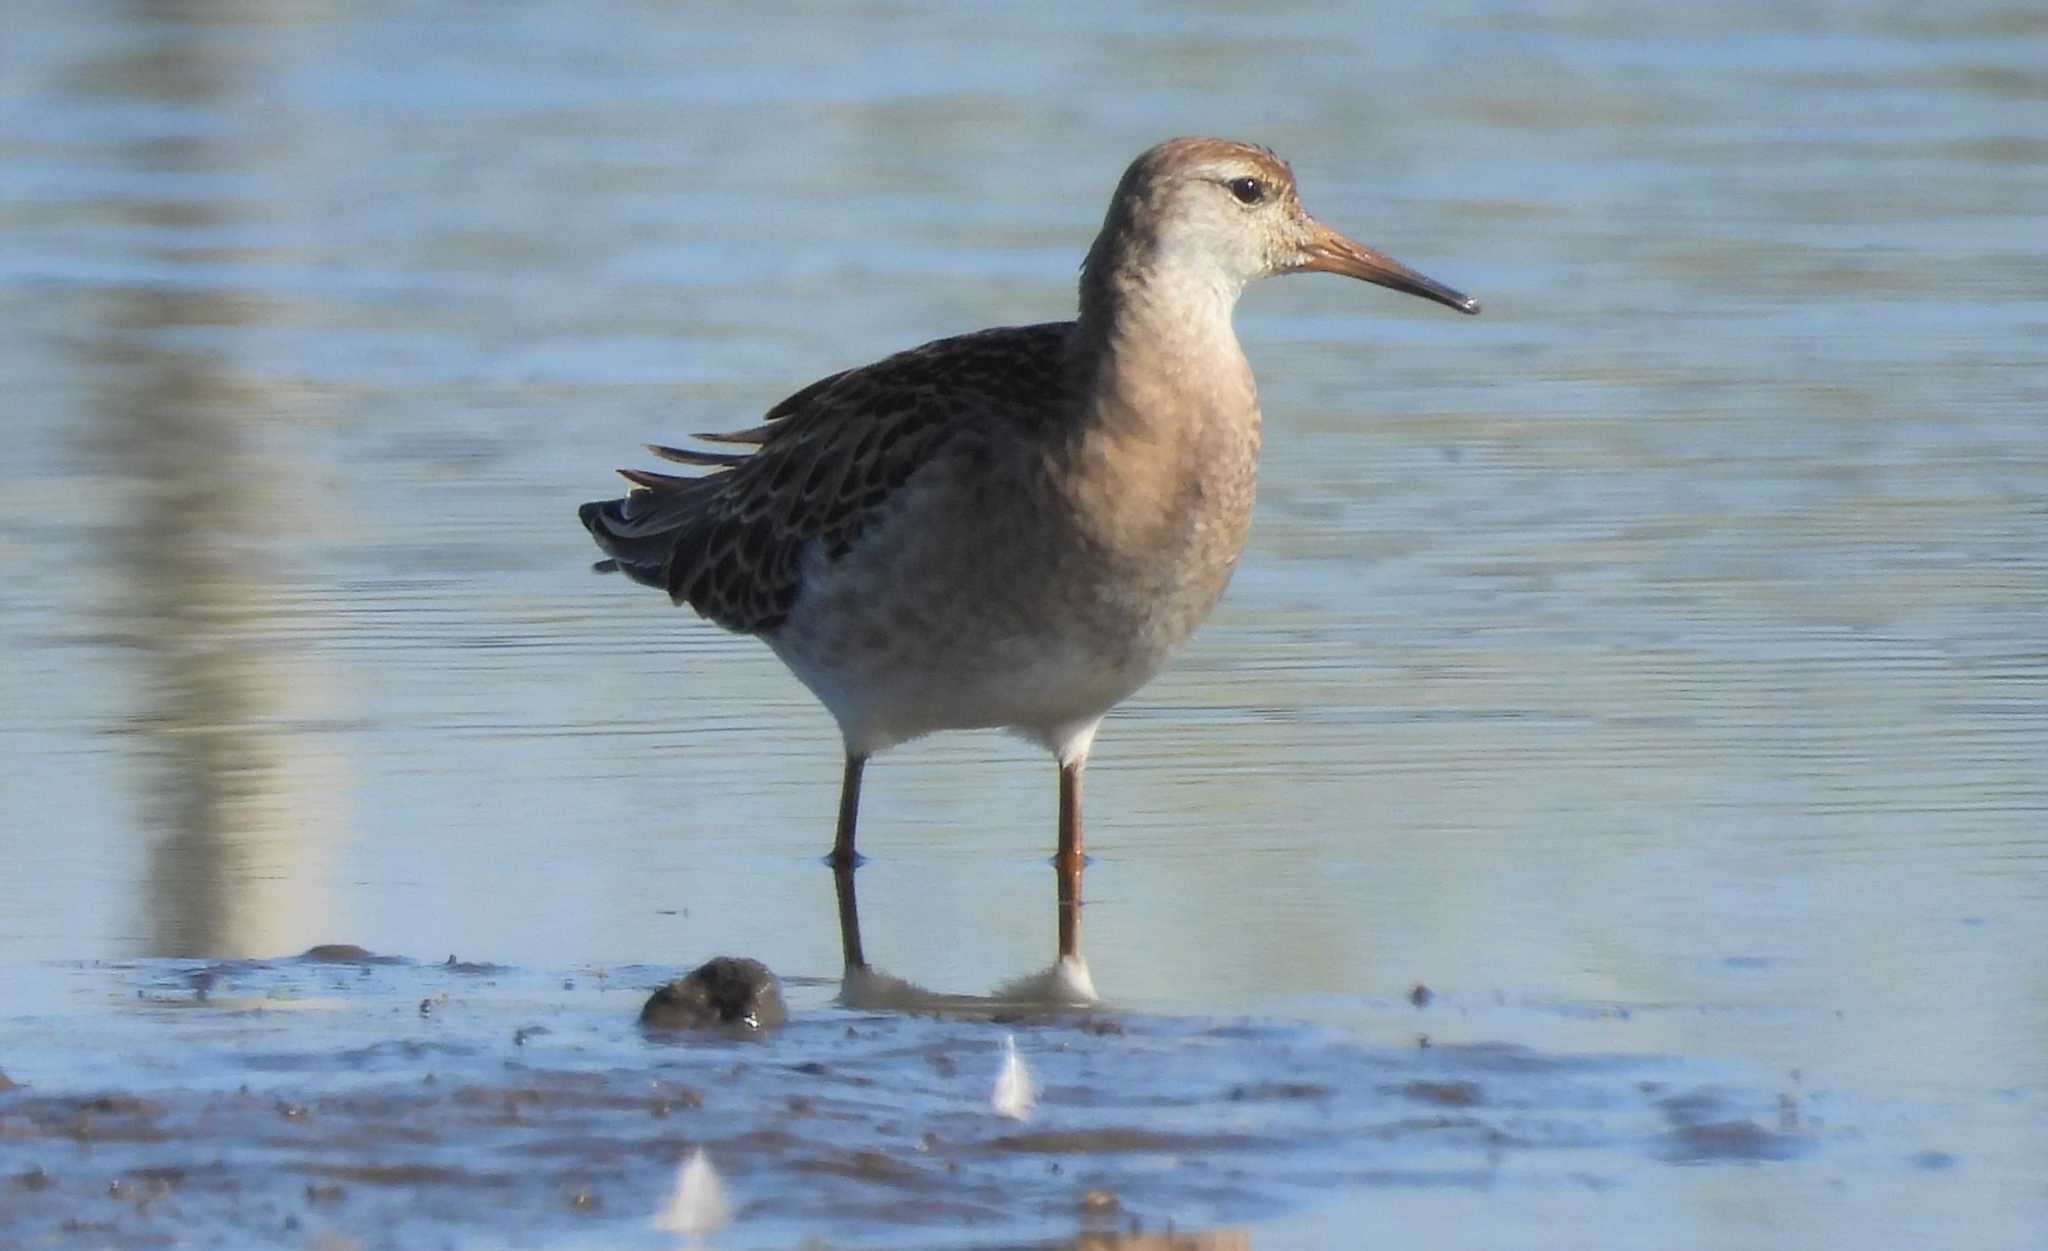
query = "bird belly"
{"x": 998, "y": 620}
{"x": 881, "y": 700}
{"x": 893, "y": 671}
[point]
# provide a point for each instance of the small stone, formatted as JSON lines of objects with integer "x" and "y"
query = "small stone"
{"x": 727, "y": 991}
{"x": 1100, "y": 1203}
{"x": 1449, "y": 1094}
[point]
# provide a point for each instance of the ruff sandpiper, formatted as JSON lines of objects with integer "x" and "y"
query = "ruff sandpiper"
{"x": 1015, "y": 527}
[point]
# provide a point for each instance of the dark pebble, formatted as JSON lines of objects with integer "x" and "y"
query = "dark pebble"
{"x": 727, "y": 991}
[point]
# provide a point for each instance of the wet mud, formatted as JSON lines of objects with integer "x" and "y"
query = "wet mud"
{"x": 345, "y": 1099}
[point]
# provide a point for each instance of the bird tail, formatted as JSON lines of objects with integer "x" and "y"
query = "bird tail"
{"x": 639, "y": 532}
{"x": 640, "y": 556}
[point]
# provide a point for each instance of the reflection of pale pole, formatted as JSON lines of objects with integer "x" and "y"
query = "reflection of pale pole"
{"x": 240, "y": 808}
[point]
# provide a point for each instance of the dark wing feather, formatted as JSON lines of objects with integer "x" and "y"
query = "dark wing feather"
{"x": 731, "y": 543}
{"x": 690, "y": 456}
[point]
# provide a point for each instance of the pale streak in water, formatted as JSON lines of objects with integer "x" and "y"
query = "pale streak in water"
{"x": 697, "y": 1206}
{"x": 1015, "y": 1094}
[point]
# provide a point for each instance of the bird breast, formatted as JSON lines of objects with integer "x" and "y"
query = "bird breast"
{"x": 1161, "y": 510}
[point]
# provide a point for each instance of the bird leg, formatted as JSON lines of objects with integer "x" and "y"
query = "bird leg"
{"x": 844, "y": 860}
{"x": 843, "y": 854}
{"x": 1068, "y": 862}
{"x": 849, "y": 918}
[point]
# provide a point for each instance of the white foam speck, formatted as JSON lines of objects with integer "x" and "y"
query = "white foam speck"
{"x": 696, "y": 1206}
{"x": 1015, "y": 1093}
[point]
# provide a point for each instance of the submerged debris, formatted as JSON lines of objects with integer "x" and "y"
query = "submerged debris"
{"x": 1099, "y": 1202}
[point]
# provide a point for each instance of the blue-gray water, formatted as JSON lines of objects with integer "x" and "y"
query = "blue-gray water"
{"x": 1653, "y": 666}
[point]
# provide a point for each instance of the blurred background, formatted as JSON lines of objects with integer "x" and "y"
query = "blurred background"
{"x": 1668, "y": 642}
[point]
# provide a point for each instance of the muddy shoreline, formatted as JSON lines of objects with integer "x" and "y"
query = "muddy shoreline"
{"x": 341, "y": 1099}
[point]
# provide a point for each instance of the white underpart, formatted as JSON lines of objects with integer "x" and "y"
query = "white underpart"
{"x": 1056, "y": 701}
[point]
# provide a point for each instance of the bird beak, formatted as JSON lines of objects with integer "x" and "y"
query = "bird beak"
{"x": 1331, "y": 253}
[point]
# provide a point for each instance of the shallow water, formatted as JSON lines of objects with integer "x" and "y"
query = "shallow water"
{"x": 404, "y": 1103}
{"x": 1652, "y": 666}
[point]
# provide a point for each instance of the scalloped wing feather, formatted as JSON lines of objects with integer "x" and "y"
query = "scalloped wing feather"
{"x": 828, "y": 459}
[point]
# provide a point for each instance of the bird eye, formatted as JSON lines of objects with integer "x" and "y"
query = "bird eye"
{"x": 1247, "y": 190}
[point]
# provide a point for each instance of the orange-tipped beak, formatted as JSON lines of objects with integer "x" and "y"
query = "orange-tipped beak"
{"x": 1331, "y": 253}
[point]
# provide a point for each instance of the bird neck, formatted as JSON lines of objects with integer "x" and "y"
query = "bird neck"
{"x": 1155, "y": 321}
{"x": 1165, "y": 448}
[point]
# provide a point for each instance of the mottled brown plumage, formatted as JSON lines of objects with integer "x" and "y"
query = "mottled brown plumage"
{"x": 1015, "y": 527}
{"x": 830, "y": 458}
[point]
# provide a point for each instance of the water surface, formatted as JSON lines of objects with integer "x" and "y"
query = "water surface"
{"x": 1653, "y": 666}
